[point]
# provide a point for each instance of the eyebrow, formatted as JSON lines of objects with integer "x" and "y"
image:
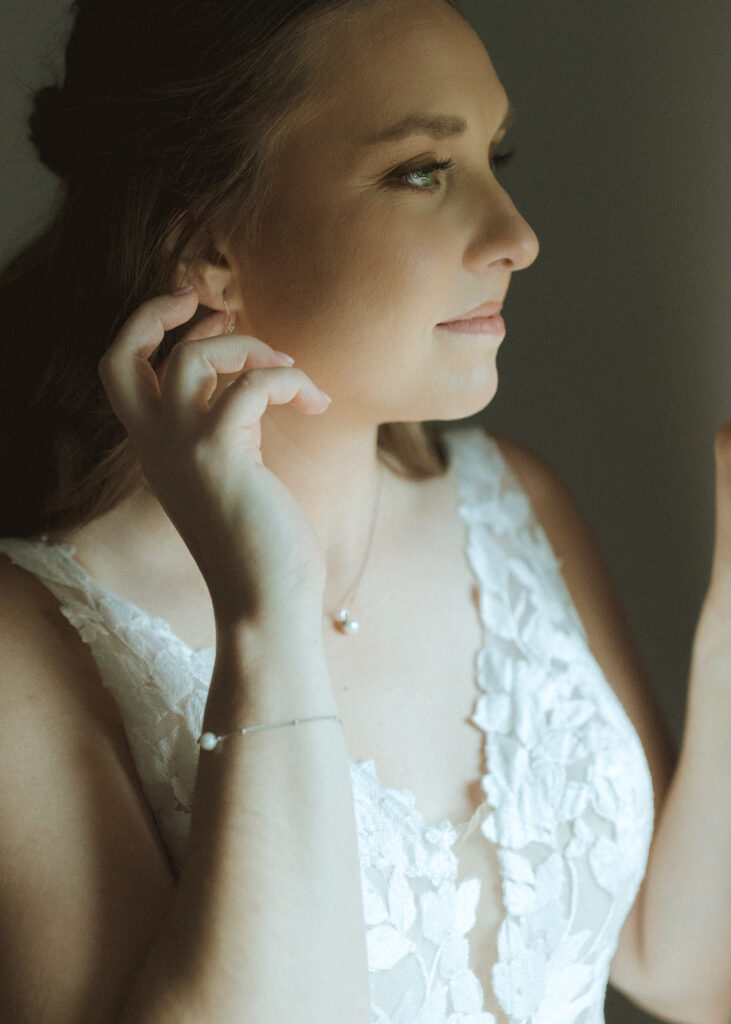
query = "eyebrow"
{"x": 438, "y": 126}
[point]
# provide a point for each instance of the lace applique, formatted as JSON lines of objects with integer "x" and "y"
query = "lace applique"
{"x": 568, "y": 797}
{"x": 568, "y": 800}
{"x": 416, "y": 914}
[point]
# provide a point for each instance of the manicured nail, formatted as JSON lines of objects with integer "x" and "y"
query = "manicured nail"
{"x": 283, "y": 355}
{"x": 325, "y": 395}
{"x": 183, "y": 291}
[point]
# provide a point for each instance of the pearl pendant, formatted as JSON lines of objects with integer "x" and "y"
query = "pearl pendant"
{"x": 345, "y": 624}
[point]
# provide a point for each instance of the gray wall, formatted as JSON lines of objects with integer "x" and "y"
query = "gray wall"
{"x": 616, "y": 363}
{"x": 32, "y": 39}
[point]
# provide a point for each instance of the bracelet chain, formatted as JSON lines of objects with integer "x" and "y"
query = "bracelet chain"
{"x": 209, "y": 740}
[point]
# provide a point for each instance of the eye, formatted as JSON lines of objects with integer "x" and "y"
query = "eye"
{"x": 416, "y": 178}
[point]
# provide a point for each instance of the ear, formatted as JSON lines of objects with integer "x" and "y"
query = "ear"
{"x": 212, "y": 280}
{"x": 212, "y": 270}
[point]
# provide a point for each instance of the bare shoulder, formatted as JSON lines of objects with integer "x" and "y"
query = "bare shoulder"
{"x": 569, "y": 534}
{"x": 596, "y": 599}
{"x": 567, "y": 530}
{"x": 79, "y": 856}
{"x": 43, "y": 648}
{"x": 545, "y": 488}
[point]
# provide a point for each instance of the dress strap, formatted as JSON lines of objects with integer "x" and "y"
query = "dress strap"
{"x": 52, "y": 564}
{"x": 503, "y": 527}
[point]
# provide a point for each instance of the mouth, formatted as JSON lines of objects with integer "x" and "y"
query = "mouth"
{"x": 486, "y": 311}
{"x": 476, "y": 325}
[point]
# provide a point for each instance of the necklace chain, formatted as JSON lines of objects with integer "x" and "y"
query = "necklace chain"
{"x": 343, "y": 620}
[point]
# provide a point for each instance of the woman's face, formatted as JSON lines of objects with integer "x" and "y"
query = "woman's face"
{"x": 357, "y": 268}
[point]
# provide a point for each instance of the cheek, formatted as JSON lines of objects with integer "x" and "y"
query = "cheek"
{"x": 394, "y": 263}
{"x": 324, "y": 270}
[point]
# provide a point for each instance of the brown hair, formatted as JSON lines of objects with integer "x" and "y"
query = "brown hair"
{"x": 166, "y": 125}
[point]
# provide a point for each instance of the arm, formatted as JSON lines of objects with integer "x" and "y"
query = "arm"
{"x": 673, "y": 952}
{"x": 265, "y": 921}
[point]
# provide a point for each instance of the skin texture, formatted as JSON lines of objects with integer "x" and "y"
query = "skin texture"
{"x": 356, "y": 273}
{"x": 354, "y": 277}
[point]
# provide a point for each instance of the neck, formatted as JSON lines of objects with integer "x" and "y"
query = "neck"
{"x": 335, "y": 477}
{"x": 333, "y": 474}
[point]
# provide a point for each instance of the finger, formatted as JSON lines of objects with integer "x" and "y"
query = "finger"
{"x": 194, "y": 367}
{"x": 722, "y": 549}
{"x": 130, "y": 382}
{"x": 207, "y": 327}
{"x": 243, "y": 404}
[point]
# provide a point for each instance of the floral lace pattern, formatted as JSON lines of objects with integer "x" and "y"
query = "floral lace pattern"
{"x": 568, "y": 797}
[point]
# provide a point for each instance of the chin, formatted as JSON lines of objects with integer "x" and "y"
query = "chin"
{"x": 468, "y": 402}
{"x": 474, "y": 399}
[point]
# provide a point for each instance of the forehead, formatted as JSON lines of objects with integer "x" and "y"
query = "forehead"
{"x": 394, "y": 56}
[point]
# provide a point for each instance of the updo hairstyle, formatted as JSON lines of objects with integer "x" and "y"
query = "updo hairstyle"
{"x": 163, "y": 133}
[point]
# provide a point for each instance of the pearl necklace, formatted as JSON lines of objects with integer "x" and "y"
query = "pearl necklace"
{"x": 343, "y": 620}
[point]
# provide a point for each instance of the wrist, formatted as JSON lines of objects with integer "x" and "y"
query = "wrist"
{"x": 289, "y": 640}
{"x": 298, "y": 621}
{"x": 262, "y": 675}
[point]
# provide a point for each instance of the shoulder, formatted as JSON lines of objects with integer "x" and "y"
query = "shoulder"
{"x": 583, "y": 567}
{"x": 569, "y": 534}
{"x": 41, "y": 645}
{"x": 79, "y": 856}
{"x": 552, "y": 501}
{"x": 53, "y": 694}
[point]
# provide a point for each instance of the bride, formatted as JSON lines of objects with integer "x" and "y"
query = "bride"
{"x": 318, "y": 708}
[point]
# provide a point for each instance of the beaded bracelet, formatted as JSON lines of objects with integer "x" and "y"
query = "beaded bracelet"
{"x": 209, "y": 740}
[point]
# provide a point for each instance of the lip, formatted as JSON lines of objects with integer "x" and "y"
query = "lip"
{"x": 487, "y": 309}
{"x": 476, "y": 325}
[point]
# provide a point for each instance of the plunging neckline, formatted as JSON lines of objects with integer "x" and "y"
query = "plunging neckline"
{"x": 204, "y": 655}
{"x": 561, "y": 836}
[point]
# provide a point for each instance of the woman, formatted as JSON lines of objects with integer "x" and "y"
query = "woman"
{"x": 204, "y": 549}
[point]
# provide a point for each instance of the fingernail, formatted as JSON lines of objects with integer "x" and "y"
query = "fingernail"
{"x": 325, "y": 395}
{"x": 183, "y": 291}
{"x": 283, "y": 355}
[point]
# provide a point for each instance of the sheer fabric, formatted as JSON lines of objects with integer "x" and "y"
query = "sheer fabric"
{"x": 567, "y": 811}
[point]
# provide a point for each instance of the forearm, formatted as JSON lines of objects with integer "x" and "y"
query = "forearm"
{"x": 266, "y": 923}
{"x": 684, "y": 922}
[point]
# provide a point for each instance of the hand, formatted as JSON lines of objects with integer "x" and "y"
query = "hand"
{"x": 199, "y": 446}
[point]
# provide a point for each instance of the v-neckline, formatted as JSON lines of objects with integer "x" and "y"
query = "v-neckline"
{"x": 204, "y": 654}
{"x": 398, "y": 794}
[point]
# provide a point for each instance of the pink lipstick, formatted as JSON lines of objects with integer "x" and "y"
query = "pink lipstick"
{"x": 484, "y": 319}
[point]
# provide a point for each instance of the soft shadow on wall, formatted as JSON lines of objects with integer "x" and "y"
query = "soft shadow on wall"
{"x": 616, "y": 362}
{"x": 33, "y": 34}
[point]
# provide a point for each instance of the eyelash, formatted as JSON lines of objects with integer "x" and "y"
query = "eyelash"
{"x": 500, "y": 159}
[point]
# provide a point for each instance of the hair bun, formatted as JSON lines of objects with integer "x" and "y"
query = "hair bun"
{"x": 50, "y": 130}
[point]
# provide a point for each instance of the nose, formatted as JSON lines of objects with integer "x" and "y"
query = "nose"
{"x": 502, "y": 234}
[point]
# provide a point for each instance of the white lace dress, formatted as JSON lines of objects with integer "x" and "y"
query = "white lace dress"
{"x": 567, "y": 805}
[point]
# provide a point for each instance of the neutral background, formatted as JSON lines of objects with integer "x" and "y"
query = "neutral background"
{"x": 617, "y": 358}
